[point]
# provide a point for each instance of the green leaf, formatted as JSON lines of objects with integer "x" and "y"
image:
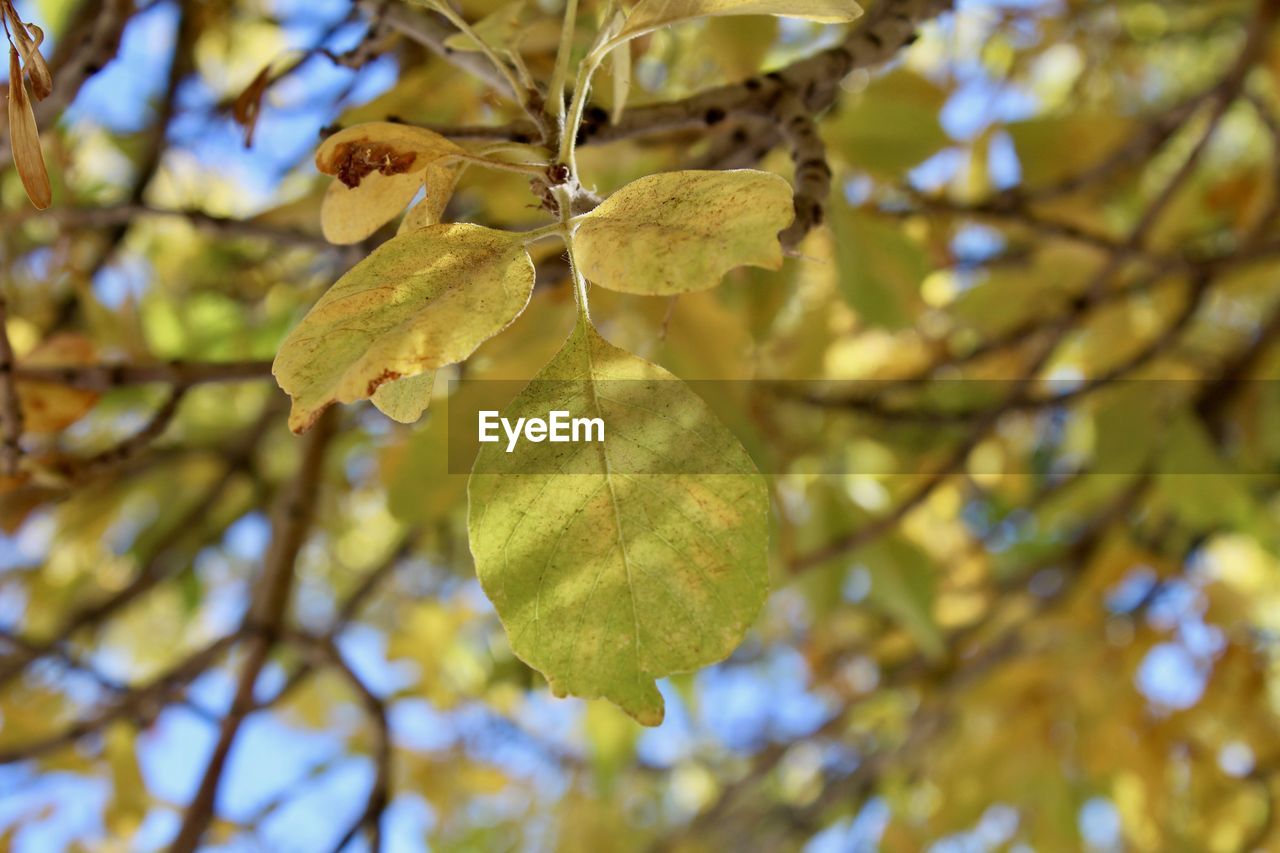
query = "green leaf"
{"x": 677, "y": 232}
{"x": 881, "y": 268}
{"x": 1201, "y": 489}
{"x": 1055, "y": 147}
{"x": 422, "y": 300}
{"x": 405, "y": 399}
{"x": 902, "y": 586}
{"x": 614, "y": 563}
{"x": 650, "y": 15}
{"x": 892, "y": 127}
{"x": 379, "y": 166}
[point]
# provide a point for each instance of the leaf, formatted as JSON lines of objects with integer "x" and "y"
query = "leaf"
{"x": 49, "y": 407}
{"x": 24, "y": 139}
{"x": 500, "y": 29}
{"x": 422, "y": 300}
{"x": 620, "y": 62}
{"x": 881, "y": 268}
{"x": 615, "y": 563}
{"x": 379, "y": 166}
{"x": 649, "y": 15}
{"x": 1201, "y": 488}
{"x": 440, "y": 183}
{"x": 405, "y": 399}
{"x": 677, "y": 232}
{"x": 902, "y": 585}
{"x": 1052, "y": 148}
{"x": 892, "y": 127}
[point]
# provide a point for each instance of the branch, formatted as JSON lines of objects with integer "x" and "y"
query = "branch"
{"x": 163, "y": 562}
{"x": 264, "y": 622}
{"x": 370, "y": 818}
{"x": 877, "y": 37}
{"x": 10, "y": 405}
{"x": 106, "y": 377}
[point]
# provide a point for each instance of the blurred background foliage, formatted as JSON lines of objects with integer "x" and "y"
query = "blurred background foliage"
{"x": 1006, "y": 614}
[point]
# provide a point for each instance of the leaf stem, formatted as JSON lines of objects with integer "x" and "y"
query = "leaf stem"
{"x": 569, "y": 134}
{"x": 555, "y": 229}
{"x": 565, "y": 228}
{"x": 555, "y": 93}
{"x": 500, "y": 165}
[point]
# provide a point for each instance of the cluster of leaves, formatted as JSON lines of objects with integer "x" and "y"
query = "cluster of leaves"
{"x": 431, "y": 295}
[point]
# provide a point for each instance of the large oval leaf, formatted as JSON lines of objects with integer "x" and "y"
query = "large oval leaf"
{"x": 422, "y": 300}
{"x": 379, "y": 166}
{"x": 675, "y": 232}
{"x": 615, "y": 563}
{"x": 649, "y": 15}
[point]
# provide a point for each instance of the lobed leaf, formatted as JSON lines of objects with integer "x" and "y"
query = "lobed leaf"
{"x": 422, "y": 300}
{"x": 614, "y": 563}
{"x": 676, "y": 232}
{"x": 379, "y": 166}
{"x": 650, "y": 15}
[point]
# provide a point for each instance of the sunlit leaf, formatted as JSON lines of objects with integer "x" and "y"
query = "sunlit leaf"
{"x": 680, "y": 231}
{"x": 608, "y": 564}
{"x": 422, "y": 300}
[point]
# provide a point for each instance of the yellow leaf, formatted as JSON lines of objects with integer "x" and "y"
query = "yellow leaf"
{"x": 677, "y": 232}
{"x": 49, "y": 407}
{"x": 422, "y": 300}
{"x": 440, "y": 183}
{"x": 405, "y": 400}
{"x": 380, "y": 166}
{"x": 620, "y": 63}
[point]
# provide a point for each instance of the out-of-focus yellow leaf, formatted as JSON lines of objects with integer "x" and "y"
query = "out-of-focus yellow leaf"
{"x": 48, "y": 407}
{"x": 1052, "y": 148}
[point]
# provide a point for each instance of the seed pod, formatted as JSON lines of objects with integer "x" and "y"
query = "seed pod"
{"x": 30, "y": 37}
{"x": 24, "y": 139}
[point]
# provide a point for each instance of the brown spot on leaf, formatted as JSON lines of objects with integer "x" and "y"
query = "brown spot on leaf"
{"x": 385, "y": 376}
{"x": 353, "y": 160}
